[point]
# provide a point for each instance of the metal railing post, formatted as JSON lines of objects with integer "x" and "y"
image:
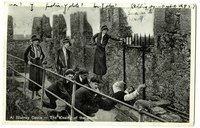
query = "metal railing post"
{"x": 43, "y": 86}
{"x": 73, "y": 102}
{"x": 124, "y": 64}
{"x": 13, "y": 74}
{"x": 141, "y": 117}
{"x": 24, "y": 86}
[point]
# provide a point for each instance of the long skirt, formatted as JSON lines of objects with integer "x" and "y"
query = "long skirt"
{"x": 100, "y": 67}
{"x": 35, "y": 75}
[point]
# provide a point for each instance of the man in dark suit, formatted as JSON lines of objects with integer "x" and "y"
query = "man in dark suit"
{"x": 61, "y": 88}
{"x": 82, "y": 78}
{"x": 63, "y": 60}
{"x": 86, "y": 100}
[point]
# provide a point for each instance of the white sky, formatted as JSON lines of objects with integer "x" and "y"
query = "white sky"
{"x": 140, "y": 20}
{"x": 23, "y": 17}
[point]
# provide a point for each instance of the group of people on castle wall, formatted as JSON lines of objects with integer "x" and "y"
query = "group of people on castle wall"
{"x": 85, "y": 100}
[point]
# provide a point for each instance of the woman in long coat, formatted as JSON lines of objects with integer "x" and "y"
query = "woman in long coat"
{"x": 35, "y": 55}
{"x": 63, "y": 60}
{"x": 101, "y": 38}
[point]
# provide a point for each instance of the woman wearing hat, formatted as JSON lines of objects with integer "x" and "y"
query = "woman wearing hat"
{"x": 101, "y": 38}
{"x": 35, "y": 55}
{"x": 63, "y": 60}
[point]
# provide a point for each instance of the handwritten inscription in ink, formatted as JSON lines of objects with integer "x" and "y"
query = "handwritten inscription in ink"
{"x": 67, "y": 6}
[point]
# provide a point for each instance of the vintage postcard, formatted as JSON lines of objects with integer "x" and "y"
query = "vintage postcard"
{"x": 127, "y": 64}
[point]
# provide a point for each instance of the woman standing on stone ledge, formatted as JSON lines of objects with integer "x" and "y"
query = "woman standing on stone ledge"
{"x": 63, "y": 60}
{"x": 99, "y": 67}
{"x": 36, "y": 55}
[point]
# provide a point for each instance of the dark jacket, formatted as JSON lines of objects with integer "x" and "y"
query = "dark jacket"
{"x": 30, "y": 51}
{"x": 60, "y": 61}
{"x": 61, "y": 88}
{"x": 119, "y": 96}
{"x": 85, "y": 101}
{"x": 106, "y": 37}
{"x": 77, "y": 79}
{"x": 100, "y": 67}
{"x": 35, "y": 72}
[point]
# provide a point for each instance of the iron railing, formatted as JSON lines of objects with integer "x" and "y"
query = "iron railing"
{"x": 72, "y": 105}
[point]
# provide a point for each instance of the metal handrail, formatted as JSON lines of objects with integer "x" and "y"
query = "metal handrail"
{"x": 52, "y": 94}
{"x": 111, "y": 98}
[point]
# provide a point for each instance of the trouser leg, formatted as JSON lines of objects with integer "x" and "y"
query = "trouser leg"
{"x": 52, "y": 103}
{"x": 90, "y": 109}
{"x": 32, "y": 96}
{"x": 105, "y": 104}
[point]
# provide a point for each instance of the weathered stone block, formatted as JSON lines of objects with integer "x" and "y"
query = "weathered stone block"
{"x": 171, "y": 117}
{"x": 81, "y": 33}
{"x": 158, "y": 111}
{"x": 10, "y": 29}
{"x": 37, "y": 26}
{"x": 46, "y": 28}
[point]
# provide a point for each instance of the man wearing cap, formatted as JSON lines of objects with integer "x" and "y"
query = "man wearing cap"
{"x": 82, "y": 77}
{"x": 61, "y": 88}
{"x": 63, "y": 60}
{"x": 101, "y": 38}
{"x": 34, "y": 54}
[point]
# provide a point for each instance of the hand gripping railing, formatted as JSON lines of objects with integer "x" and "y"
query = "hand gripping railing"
{"x": 141, "y": 112}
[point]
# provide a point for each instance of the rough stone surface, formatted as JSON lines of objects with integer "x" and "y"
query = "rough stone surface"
{"x": 81, "y": 33}
{"x": 158, "y": 111}
{"x": 17, "y": 48}
{"x": 41, "y": 27}
{"x": 19, "y": 105}
{"x": 52, "y": 41}
{"x": 46, "y": 28}
{"x": 115, "y": 19}
{"x": 171, "y": 117}
{"x": 170, "y": 71}
{"x": 144, "y": 104}
{"x": 167, "y": 63}
{"x": 37, "y": 26}
{"x": 130, "y": 113}
{"x": 59, "y": 31}
{"x": 10, "y": 28}
{"x": 162, "y": 103}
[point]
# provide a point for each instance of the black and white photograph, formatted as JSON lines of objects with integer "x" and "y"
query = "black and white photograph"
{"x": 100, "y": 62}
